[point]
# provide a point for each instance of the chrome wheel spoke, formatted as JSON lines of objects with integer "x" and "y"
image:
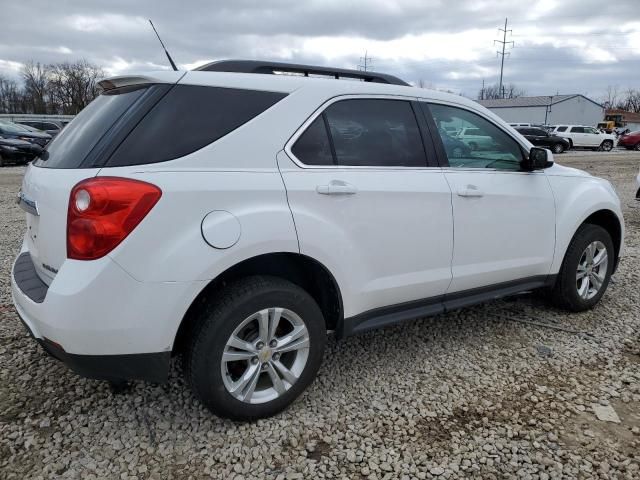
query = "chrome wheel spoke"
{"x": 274, "y": 321}
{"x": 240, "y": 344}
{"x": 277, "y": 382}
{"x": 246, "y": 382}
{"x": 235, "y": 356}
{"x": 596, "y": 280}
{"x": 263, "y": 326}
{"x": 295, "y": 345}
{"x": 582, "y": 272}
{"x": 589, "y": 252}
{"x": 583, "y": 291}
{"x": 298, "y": 332}
{"x": 600, "y": 258}
{"x": 287, "y": 374}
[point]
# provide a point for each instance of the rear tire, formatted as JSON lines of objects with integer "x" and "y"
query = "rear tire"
{"x": 1, "y": 161}
{"x": 637, "y": 147}
{"x": 570, "y": 291}
{"x": 245, "y": 388}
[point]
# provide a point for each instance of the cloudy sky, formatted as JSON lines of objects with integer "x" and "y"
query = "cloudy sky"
{"x": 565, "y": 46}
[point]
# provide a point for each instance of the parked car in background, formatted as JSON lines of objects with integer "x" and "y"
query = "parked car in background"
{"x": 541, "y": 138}
{"x": 14, "y": 151}
{"x": 281, "y": 207}
{"x": 586, "y": 137}
{"x": 630, "y": 141}
{"x": 52, "y": 127}
{"x": 475, "y": 138}
{"x": 22, "y": 132}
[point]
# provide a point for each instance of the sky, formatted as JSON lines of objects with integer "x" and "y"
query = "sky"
{"x": 560, "y": 46}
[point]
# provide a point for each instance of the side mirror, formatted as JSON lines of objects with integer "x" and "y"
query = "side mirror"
{"x": 537, "y": 160}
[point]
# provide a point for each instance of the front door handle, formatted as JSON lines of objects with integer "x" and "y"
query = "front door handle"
{"x": 470, "y": 191}
{"x": 337, "y": 187}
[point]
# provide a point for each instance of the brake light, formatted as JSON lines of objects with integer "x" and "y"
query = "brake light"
{"x": 103, "y": 211}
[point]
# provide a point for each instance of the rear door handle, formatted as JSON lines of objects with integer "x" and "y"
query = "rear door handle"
{"x": 337, "y": 187}
{"x": 470, "y": 191}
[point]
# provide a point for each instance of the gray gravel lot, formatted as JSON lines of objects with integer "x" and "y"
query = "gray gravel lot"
{"x": 475, "y": 393}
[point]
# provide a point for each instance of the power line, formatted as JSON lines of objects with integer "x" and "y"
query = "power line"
{"x": 504, "y": 43}
{"x": 365, "y": 62}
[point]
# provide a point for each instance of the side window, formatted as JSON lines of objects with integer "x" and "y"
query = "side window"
{"x": 187, "y": 119}
{"x": 577, "y": 129}
{"x": 591, "y": 130}
{"x": 376, "y": 133}
{"x": 479, "y": 143}
{"x": 313, "y": 146}
{"x": 561, "y": 129}
{"x": 538, "y": 132}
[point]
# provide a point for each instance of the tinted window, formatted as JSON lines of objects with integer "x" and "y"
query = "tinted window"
{"x": 49, "y": 126}
{"x": 577, "y": 129}
{"x": 69, "y": 148}
{"x": 188, "y": 118}
{"x": 538, "y": 132}
{"x": 561, "y": 129}
{"x": 524, "y": 131}
{"x": 313, "y": 147}
{"x": 371, "y": 132}
{"x": 591, "y": 130}
{"x": 487, "y": 147}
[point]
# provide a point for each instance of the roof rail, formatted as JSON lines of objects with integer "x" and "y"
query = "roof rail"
{"x": 254, "y": 66}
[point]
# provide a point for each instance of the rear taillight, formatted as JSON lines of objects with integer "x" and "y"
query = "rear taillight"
{"x": 103, "y": 211}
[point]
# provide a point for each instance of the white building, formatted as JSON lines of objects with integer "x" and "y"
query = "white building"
{"x": 573, "y": 109}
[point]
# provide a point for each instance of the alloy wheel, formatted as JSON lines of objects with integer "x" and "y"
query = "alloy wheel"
{"x": 592, "y": 270}
{"x": 265, "y": 355}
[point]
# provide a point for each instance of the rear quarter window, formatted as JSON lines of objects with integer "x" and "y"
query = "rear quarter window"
{"x": 188, "y": 118}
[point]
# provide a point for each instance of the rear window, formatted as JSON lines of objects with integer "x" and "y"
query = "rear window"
{"x": 188, "y": 118}
{"x": 69, "y": 148}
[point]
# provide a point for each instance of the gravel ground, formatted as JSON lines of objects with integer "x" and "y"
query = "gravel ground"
{"x": 475, "y": 393}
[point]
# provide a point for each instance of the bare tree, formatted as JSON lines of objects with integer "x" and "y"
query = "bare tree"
{"x": 73, "y": 85}
{"x": 508, "y": 91}
{"x": 11, "y": 96}
{"x": 36, "y": 78}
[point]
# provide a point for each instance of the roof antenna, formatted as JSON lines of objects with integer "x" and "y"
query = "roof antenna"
{"x": 173, "y": 65}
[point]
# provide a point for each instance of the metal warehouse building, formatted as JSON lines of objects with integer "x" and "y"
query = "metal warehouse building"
{"x": 573, "y": 109}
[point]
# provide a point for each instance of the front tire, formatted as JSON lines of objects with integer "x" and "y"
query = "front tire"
{"x": 558, "y": 148}
{"x": 637, "y": 147}
{"x": 586, "y": 269}
{"x": 607, "y": 145}
{"x": 257, "y": 346}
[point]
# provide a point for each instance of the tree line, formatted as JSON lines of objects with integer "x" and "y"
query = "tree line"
{"x": 628, "y": 99}
{"x": 56, "y": 89}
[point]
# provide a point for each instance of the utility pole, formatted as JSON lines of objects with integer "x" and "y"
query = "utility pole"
{"x": 365, "y": 62}
{"x": 504, "y": 43}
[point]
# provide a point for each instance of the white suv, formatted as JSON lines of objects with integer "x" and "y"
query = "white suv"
{"x": 235, "y": 216}
{"x": 584, "y": 136}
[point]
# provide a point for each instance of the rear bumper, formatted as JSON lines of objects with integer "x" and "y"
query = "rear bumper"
{"x": 101, "y": 322}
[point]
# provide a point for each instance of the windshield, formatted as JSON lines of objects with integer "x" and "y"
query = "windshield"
{"x": 12, "y": 128}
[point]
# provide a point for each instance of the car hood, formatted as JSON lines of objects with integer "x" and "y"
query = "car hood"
{"x": 562, "y": 171}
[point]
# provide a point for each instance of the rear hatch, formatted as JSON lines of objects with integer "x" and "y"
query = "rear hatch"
{"x": 77, "y": 153}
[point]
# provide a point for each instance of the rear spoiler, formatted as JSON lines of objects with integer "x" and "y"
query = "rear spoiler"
{"x": 127, "y": 80}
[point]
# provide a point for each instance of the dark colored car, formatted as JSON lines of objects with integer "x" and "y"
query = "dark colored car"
{"x": 541, "y": 138}
{"x": 630, "y": 141}
{"x": 17, "y": 151}
{"x": 20, "y": 132}
{"x": 52, "y": 127}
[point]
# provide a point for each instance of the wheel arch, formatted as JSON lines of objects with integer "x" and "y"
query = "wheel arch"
{"x": 302, "y": 270}
{"x": 608, "y": 220}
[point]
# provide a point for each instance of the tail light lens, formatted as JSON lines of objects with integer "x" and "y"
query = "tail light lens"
{"x": 103, "y": 211}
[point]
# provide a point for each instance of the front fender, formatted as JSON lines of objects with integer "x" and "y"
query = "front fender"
{"x": 577, "y": 197}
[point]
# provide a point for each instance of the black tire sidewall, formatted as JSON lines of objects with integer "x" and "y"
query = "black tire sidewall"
{"x": 568, "y": 293}
{"x": 558, "y": 148}
{"x": 205, "y": 374}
